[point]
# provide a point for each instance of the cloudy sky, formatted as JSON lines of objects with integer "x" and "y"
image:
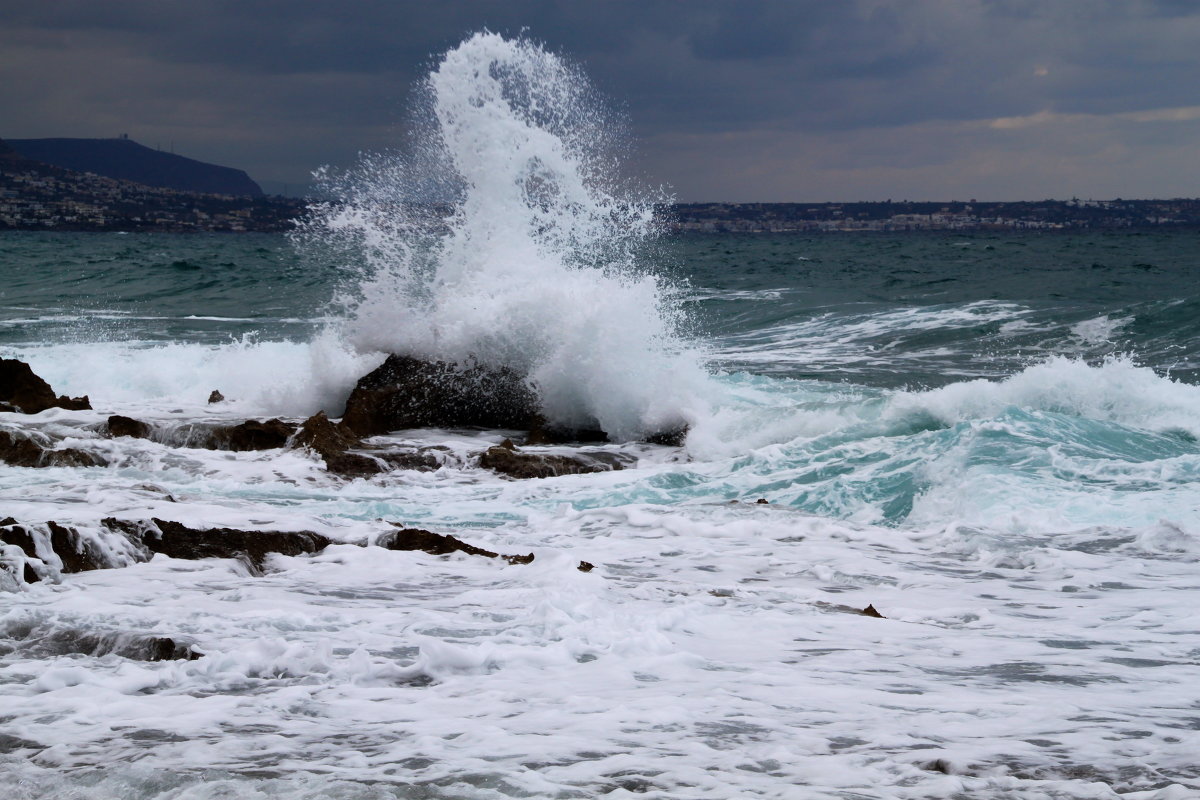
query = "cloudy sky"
{"x": 739, "y": 100}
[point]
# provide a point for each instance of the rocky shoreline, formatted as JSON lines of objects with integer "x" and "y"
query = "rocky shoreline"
{"x": 403, "y": 393}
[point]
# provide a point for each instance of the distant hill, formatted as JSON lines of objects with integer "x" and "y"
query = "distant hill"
{"x": 125, "y": 159}
{"x": 6, "y": 151}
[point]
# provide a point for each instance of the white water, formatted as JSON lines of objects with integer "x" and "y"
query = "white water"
{"x": 538, "y": 267}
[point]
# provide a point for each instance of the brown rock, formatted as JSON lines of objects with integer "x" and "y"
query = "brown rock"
{"x": 179, "y": 541}
{"x": 586, "y": 566}
{"x": 324, "y": 437}
{"x": 870, "y": 611}
{"x": 216, "y": 397}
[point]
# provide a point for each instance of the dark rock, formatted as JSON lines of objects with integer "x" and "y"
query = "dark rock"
{"x": 13, "y": 534}
{"x": 177, "y": 540}
{"x": 252, "y": 435}
{"x": 353, "y": 465}
{"x": 671, "y": 438}
{"x": 586, "y": 566}
{"x": 405, "y": 392}
{"x": 507, "y": 460}
{"x": 542, "y": 431}
{"x": 762, "y": 501}
{"x": 8, "y": 407}
{"x": 21, "y": 388}
{"x": 439, "y": 545}
{"x": 22, "y": 451}
{"x": 870, "y": 611}
{"x": 216, "y": 397}
{"x": 127, "y": 426}
{"x": 76, "y": 553}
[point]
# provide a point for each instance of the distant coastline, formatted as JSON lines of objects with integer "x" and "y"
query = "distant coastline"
{"x": 39, "y": 196}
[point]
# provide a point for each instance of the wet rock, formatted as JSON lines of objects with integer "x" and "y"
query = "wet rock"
{"x": 542, "y": 431}
{"x": 177, "y": 540}
{"x": 762, "y": 501}
{"x": 20, "y": 450}
{"x": 252, "y": 435}
{"x": 127, "y": 426}
{"x": 586, "y": 566}
{"x": 216, "y": 397}
{"x": 21, "y": 388}
{"x": 406, "y": 392}
{"x": 674, "y": 437}
{"x": 332, "y": 440}
{"x": 439, "y": 545}
{"x": 506, "y": 459}
{"x": 76, "y": 553}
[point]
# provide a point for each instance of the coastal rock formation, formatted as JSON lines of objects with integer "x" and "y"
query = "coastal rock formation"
{"x": 24, "y": 391}
{"x": 406, "y": 392}
{"x": 506, "y": 459}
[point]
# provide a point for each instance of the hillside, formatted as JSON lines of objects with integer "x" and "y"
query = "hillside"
{"x": 125, "y": 159}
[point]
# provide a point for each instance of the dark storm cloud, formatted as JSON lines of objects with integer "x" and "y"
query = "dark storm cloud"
{"x": 730, "y": 98}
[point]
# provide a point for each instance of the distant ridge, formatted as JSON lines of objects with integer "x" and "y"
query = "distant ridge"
{"x": 125, "y": 159}
{"x": 6, "y": 151}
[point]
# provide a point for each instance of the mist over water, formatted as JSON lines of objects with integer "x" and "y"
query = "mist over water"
{"x": 539, "y": 263}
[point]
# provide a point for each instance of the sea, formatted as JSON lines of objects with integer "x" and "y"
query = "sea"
{"x": 989, "y": 439}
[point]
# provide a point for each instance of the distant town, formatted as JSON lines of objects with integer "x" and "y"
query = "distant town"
{"x": 87, "y": 188}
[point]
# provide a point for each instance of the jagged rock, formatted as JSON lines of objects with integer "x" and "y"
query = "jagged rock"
{"x": 252, "y": 435}
{"x": 323, "y": 436}
{"x": 21, "y": 388}
{"x": 870, "y": 611}
{"x": 405, "y": 392}
{"x": 216, "y": 397}
{"x": 22, "y": 451}
{"x": 439, "y": 545}
{"x": 127, "y": 426}
{"x": 506, "y": 459}
{"x": 586, "y": 566}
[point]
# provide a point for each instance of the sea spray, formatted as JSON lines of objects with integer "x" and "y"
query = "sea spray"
{"x": 503, "y": 237}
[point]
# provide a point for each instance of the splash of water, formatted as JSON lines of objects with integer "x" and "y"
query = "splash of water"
{"x": 535, "y": 258}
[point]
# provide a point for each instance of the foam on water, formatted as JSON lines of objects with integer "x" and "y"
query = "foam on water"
{"x": 536, "y": 264}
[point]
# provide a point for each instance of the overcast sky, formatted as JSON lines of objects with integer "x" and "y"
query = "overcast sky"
{"x": 738, "y": 100}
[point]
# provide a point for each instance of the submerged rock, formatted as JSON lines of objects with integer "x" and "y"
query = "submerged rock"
{"x": 506, "y": 459}
{"x": 439, "y": 545}
{"x": 134, "y": 646}
{"x": 23, "y": 390}
{"x": 406, "y": 392}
